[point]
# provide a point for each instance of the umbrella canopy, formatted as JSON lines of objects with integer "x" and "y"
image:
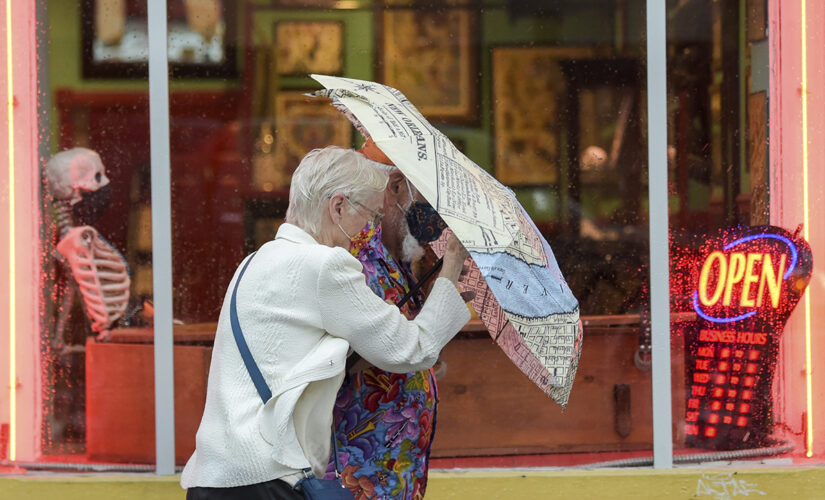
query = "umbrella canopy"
{"x": 521, "y": 295}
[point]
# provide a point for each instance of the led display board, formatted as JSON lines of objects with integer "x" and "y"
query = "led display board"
{"x": 746, "y": 284}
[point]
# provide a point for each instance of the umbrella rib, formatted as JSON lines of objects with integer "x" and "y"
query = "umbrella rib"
{"x": 421, "y": 282}
{"x": 500, "y": 331}
{"x": 487, "y": 293}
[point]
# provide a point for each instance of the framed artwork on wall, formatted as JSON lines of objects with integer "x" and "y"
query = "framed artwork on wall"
{"x": 304, "y": 47}
{"x": 201, "y": 40}
{"x": 460, "y": 144}
{"x": 301, "y": 4}
{"x": 262, "y": 218}
{"x": 431, "y": 55}
{"x": 428, "y": 4}
{"x": 302, "y": 124}
{"x": 528, "y": 84}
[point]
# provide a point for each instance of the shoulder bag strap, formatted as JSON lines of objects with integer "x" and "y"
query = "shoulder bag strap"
{"x": 249, "y": 361}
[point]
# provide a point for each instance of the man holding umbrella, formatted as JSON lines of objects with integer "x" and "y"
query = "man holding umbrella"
{"x": 521, "y": 295}
{"x": 384, "y": 421}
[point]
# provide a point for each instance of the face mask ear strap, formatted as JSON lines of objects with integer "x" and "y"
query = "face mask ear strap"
{"x": 342, "y": 230}
{"x": 409, "y": 195}
{"x": 410, "y": 191}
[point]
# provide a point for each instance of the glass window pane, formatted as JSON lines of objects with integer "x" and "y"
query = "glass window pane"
{"x": 707, "y": 167}
{"x": 740, "y": 259}
{"x": 534, "y": 94}
{"x": 96, "y": 338}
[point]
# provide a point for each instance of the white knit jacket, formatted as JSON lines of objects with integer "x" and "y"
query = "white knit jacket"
{"x": 301, "y": 306}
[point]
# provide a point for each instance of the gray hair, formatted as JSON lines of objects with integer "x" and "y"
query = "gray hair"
{"x": 322, "y": 174}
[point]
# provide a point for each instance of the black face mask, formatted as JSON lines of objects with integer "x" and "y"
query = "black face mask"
{"x": 424, "y": 222}
{"x": 92, "y": 204}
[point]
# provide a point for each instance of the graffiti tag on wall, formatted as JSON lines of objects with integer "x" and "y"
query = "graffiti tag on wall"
{"x": 725, "y": 486}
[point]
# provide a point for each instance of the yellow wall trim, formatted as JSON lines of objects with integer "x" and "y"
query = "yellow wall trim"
{"x": 787, "y": 483}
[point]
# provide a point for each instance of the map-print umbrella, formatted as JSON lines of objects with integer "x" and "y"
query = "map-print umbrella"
{"x": 521, "y": 295}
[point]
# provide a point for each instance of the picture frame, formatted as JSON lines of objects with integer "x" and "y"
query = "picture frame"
{"x": 528, "y": 84}
{"x": 429, "y": 4}
{"x": 202, "y": 39}
{"x": 305, "y": 47}
{"x": 460, "y": 144}
{"x": 262, "y": 217}
{"x": 302, "y": 124}
{"x": 302, "y": 4}
{"x": 440, "y": 77}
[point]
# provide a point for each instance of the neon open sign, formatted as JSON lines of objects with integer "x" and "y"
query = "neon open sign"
{"x": 746, "y": 283}
{"x": 744, "y": 279}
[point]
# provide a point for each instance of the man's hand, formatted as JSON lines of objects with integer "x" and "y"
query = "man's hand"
{"x": 468, "y": 295}
{"x": 454, "y": 258}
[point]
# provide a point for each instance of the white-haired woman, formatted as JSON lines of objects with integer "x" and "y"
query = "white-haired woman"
{"x": 302, "y": 303}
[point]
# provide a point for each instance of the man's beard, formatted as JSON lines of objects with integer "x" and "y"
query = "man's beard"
{"x": 411, "y": 249}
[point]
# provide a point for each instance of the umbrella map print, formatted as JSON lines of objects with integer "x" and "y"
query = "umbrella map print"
{"x": 521, "y": 295}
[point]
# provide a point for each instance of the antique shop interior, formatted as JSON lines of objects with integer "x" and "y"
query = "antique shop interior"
{"x": 549, "y": 97}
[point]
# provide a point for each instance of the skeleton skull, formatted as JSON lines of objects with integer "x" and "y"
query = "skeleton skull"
{"x": 73, "y": 171}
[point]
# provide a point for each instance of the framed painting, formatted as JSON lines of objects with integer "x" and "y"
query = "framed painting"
{"x": 460, "y": 144}
{"x": 302, "y": 4}
{"x": 302, "y": 124}
{"x": 528, "y": 85}
{"x": 431, "y": 55}
{"x": 430, "y": 4}
{"x": 304, "y": 47}
{"x": 262, "y": 218}
{"x": 201, "y": 40}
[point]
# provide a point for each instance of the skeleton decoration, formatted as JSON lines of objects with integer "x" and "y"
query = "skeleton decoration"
{"x": 81, "y": 193}
{"x": 100, "y": 273}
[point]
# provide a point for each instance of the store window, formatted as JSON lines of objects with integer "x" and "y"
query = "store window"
{"x": 735, "y": 353}
{"x": 548, "y": 97}
{"x": 96, "y": 324}
{"x": 549, "y": 107}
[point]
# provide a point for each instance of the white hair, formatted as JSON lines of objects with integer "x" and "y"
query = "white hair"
{"x": 386, "y": 168}
{"x": 322, "y": 174}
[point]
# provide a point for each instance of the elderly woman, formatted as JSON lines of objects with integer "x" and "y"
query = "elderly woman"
{"x": 302, "y": 304}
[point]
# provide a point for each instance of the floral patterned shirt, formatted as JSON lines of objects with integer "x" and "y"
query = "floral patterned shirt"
{"x": 384, "y": 422}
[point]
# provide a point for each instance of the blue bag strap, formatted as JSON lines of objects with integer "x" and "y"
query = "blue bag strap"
{"x": 249, "y": 361}
{"x": 252, "y": 367}
{"x": 335, "y": 452}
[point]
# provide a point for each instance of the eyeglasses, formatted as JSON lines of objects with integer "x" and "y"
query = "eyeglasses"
{"x": 376, "y": 216}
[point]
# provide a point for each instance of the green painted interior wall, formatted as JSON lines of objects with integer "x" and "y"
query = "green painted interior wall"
{"x": 588, "y": 25}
